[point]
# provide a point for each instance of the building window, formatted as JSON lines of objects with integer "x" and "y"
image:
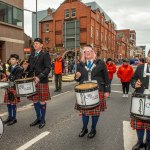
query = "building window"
{"x": 92, "y": 31}
{"x": 10, "y": 14}
{"x": 101, "y": 36}
{"x": 73, "y": 14}
{"x": 97, "y": 34}
{"x": 17, "y": 17}
{"x": 47, "y": 27}
{"x": 67, "y": 13}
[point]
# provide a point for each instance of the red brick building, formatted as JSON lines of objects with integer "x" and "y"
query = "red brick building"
{"x": 125, "y": 43}
{"x": 11, "y": 28}
{"x": 75, "y": 24}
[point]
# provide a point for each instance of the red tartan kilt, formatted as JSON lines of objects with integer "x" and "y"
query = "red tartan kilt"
{"x": 43, "y": 93}
{"x": 15, "y": 101}
{"x": 139, "y": 124}
{"x": 95, "y": 111}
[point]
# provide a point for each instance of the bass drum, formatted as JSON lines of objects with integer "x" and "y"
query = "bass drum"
{"x": 1, "y": 127}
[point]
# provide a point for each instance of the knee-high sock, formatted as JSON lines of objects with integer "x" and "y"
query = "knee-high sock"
{"x": 94, "y": 121}
{"x": 147, "y": 136}
{"x": 14, "y": 110}
{"x": 37, "y": 110}
{"x": 85, "y": 120}
{"x": 9, "y": 111}
{"x": 43, "y": 111}
{"x": 140, "y": 134}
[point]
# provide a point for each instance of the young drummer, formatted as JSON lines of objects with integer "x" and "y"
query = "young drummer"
{"x": 15, "y": 72}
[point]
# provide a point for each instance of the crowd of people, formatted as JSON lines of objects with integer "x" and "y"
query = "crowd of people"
{"x": 89, "y": 68}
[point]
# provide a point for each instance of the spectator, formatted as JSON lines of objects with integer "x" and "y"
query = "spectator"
{"x": 125, "y": 72}
{"x": 58, "y": 70}
{"x": 111, "y": 68}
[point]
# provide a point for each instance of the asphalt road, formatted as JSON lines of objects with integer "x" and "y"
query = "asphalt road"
{"x": 63, "y": 124}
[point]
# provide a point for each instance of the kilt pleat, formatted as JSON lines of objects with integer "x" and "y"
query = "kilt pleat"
{"x": 95, "y": 111}
{"x": 139, "y": 124}
{"x": 6, "y": 98}
{"x": 43, "y": 93}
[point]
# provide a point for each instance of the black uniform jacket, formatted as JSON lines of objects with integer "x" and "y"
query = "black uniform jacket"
{"x": 16, "y": 73}
{"x": 40, "y": 66}
{"x": 99, "y": 73}
{"x": 139, "y": 75}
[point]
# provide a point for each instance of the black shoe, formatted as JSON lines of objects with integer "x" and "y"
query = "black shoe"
{"x": 59, "y": 90}
{"x": 138, "y": 146}
{"x": 147, "y": 147}
{"x": 12, "y": 122}
{"x": 56, "y": 90}
{"x": 35, "y": 123}
{"x": 7, "y": 120}
{"x": 83, "y": 132}
{"x": 92, "y": 133}
{"x": 42, "y": 124}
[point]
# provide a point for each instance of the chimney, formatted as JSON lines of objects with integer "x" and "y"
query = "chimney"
{"x": 49, "y": 11}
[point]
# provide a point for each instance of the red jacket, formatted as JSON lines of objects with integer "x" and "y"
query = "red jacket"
{"x": 111, "y": 68}
{"x": 125, "y": 73}
{"x": 58, "y": 66}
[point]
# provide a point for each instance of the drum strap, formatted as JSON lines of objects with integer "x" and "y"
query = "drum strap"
{"x": 145, "y": 70}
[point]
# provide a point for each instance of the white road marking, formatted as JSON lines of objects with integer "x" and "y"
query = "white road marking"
{"x": 129, "y": 136}
{"x": 33, "y": 141}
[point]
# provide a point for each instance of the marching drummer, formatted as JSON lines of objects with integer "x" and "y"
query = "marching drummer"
{"x": 39, "y": 68}
{"x": 98, "y": 70}
{"x": 141, "y": 84}
{"x": 14, "y": 72}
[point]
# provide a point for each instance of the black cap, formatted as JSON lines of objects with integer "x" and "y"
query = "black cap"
{"x": 38, "y": 40}
{"x": 14, "y": 56}
{"x": 109, "y": 59}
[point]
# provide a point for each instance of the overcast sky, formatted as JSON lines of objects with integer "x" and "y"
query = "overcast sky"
{"x": 127, "y": 14}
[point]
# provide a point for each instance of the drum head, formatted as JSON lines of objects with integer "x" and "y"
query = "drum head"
{"x": 1, "y": 128}
{"x": 86, "y": 86}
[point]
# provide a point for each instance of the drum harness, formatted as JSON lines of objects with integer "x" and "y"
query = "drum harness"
{"x": 89, "y": 69}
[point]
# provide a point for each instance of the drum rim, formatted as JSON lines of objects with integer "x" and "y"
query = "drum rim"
{"x": 141, "y": 117}
{"x": 88, "y": 106}
{"x": 24, "y": 80}
{"x": 27, "y": 95}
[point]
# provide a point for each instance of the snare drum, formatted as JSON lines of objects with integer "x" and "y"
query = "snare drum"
{"x": 4, "y": 84}
{"x": 140, "y": 106}
{"x": 87, "y": 95}
{"x": 25, "y": 87}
